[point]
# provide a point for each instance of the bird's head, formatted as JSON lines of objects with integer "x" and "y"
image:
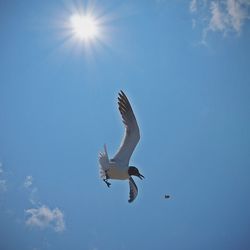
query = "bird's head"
{"x": 134, "y": 171}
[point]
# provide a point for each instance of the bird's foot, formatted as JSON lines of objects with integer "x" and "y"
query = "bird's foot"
{"x": 108, "y": 183}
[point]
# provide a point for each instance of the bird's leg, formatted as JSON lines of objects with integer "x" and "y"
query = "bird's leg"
{"x": 108, "y": 183}
{"x": 105, "y": 180}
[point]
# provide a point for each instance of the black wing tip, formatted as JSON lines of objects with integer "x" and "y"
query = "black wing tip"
{"x": 131, "y": 199}
{"x": 123, "y": 103}
{"x": 123, "y": 100}
{"x": 133, "y": 192}
{"x": 122, "y": 94}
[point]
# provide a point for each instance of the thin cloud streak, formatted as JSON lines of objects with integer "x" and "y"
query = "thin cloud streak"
{"x": 3, "y": 182}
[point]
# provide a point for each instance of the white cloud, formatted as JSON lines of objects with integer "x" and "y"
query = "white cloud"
{"x": 221, "y": 16}
{"x": 43, "y": 217}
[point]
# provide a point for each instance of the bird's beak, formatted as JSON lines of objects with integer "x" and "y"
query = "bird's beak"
{"x": 141, "y": 176}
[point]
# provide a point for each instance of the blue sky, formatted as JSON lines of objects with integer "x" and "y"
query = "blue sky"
{"x": 185, "y": 68}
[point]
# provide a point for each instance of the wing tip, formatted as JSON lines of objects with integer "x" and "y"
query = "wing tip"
{"x": 122, "y": 94}
{"x": 133, "y": 192}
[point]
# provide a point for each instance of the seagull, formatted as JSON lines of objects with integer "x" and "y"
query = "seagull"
{"x": 118, "y": 167}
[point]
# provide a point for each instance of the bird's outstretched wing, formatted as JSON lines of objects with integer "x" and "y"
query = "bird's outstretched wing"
{"x": 132, "y": 133}
{"x": 103, "y": 162}
{"x": 133, "y": 190}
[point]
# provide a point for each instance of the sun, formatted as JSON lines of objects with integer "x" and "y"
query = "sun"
{"x": 84, "y": 27}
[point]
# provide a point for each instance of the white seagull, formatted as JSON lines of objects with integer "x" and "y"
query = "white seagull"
{"x": 118, "y": 167}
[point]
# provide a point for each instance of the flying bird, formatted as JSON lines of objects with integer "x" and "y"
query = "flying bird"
{"x": 118, "y": 167}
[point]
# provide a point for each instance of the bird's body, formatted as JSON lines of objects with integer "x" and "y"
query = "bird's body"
{"x": 118, "y": 167}
{"x": 117, "y": 173}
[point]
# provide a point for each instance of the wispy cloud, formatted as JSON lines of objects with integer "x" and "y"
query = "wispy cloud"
{"x": 1, "y": 168}
{"x": 218, "y": 20}
{"x": 28, "y": 184}
{"x": 3, "y": 186}
{"x": 224, "y": 16}
{"x": 33, "y": 196}
{"x": 3, "y": 182}
{"x": 238, "y": 12}
{"x": 28, "y": 181}
{"x": 44, "y": 217}
{"x": 193, "y": 6}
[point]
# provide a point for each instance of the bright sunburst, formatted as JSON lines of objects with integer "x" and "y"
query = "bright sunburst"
{"x": 84, "y": 27}
{"x": 84, "y": 30}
